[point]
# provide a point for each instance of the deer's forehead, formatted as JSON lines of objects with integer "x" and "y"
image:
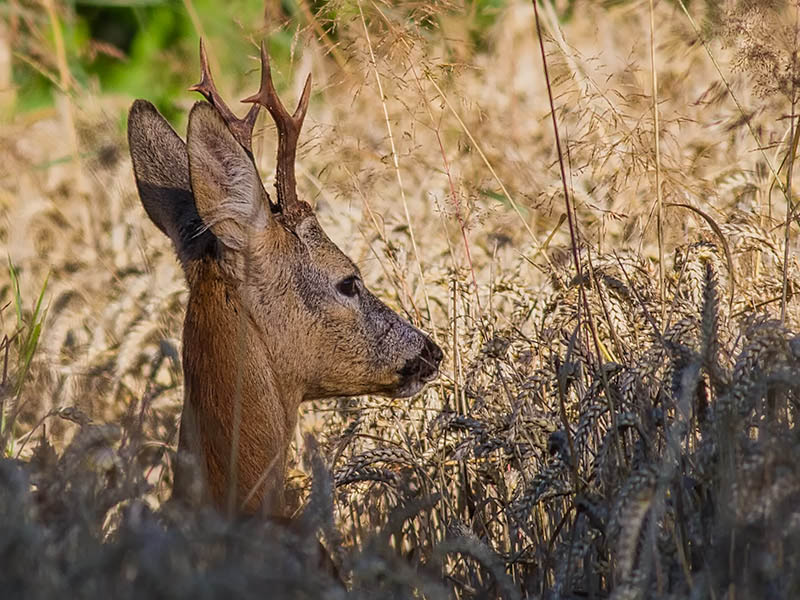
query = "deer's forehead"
{"x": 325, "y": 254}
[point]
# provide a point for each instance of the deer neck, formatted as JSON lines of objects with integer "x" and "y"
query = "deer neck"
{"x": 225, "y": 359}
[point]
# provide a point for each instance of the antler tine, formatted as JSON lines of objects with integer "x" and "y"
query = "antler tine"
{"x": 288, "y": 128}
{"x": 242, "y": 129}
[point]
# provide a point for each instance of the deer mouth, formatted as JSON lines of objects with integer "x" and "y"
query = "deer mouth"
{"x": 419, "y": 370}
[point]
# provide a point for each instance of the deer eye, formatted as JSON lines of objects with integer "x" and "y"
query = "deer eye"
{"x": 348, "y": 287}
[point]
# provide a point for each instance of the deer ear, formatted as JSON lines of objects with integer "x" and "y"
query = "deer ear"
{"x": 228, "y": 192}
{"x": 161, "y": 168}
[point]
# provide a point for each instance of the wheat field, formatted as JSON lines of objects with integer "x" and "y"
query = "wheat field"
{"x": 615, "y": 415}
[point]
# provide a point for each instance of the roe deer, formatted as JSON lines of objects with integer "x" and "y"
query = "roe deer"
{"x": 277, "y": 314}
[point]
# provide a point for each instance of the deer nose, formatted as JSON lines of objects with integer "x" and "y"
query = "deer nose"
{"x": 425, "y": 364}
{"x": 429, "y": 359}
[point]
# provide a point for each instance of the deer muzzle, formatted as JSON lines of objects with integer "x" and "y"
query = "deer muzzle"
{"x": 424, "y": 366}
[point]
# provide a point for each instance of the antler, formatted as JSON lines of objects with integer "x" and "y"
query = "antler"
{"x": 288, "y": 128}
{"x": 242, "y": 129}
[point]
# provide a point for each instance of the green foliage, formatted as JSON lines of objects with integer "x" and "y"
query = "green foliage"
{"x": 29, "y": 328}
{"x": 23, "y": 341}
{"x": 116, "y": 46}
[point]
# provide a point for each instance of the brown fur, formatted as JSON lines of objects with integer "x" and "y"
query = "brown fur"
{"x": 277, "y": 314}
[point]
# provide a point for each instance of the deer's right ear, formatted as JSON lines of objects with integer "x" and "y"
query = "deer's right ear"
{"x": 227, "y": 189}
{"x": 161, "y": 167}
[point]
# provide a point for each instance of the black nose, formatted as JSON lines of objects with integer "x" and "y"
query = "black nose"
{"x": 432, "y": 354}
{"x": 426, "y": 364}
{"x": 429, "y": 359}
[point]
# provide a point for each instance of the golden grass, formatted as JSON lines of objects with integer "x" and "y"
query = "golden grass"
{"x": 432, "y": 164}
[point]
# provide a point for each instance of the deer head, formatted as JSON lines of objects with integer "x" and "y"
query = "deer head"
{"x": 277, "y": 314}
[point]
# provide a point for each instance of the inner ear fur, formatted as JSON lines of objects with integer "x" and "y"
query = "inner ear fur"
{"x": 228, "y": 192}
{"x": 161, "y": 169}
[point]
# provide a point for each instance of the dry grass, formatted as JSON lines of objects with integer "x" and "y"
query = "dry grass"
{"x": 586, "y": 437}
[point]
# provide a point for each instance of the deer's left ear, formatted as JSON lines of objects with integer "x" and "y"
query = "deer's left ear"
{"x": 228, "y": 192}
{"x": 161, "y": 168}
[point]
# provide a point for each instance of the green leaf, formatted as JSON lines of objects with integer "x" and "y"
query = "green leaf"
{"x": 17, "y": 296}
